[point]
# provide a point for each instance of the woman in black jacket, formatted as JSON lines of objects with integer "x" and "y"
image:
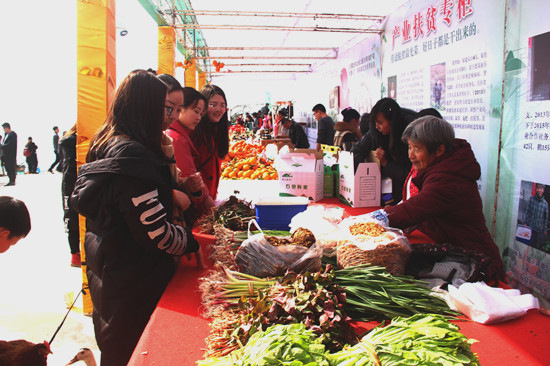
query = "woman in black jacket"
{"x": 67, "y": 145}
{"x": 125, "y": 192}
{"x": 388, "y": 121}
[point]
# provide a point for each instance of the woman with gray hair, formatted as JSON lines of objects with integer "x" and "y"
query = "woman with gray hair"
{"x": 448, "y": 206}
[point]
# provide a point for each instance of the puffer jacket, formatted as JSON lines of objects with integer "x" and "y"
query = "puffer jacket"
{"x": 345, "y": 135}
{"x": 448, "y": 206}
{"x": 130, "y": 243}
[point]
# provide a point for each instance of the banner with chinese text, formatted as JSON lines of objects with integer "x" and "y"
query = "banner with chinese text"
{"x": 522, "y": 215}
{"x": 448, "y": 55}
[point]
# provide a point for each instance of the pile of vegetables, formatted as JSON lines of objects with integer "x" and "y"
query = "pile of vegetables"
{"x": 304, "y": 318}
{"x": 310, "y": 298}
{"x": 374, "y": 294}
{"x": 233, "y": 214}
{"x": 417, "y": 340}
{"x": 290, "y": 344}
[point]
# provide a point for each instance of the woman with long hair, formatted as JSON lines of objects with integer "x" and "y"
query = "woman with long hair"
{"x": 211, "y": 138}
{"x": 125, "y": 191}
{"x": 388, "y": 121}
{"x": 67, "y": 145}
{"x": 193, "y": 109}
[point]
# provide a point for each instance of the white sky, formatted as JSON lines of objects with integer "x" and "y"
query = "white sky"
{"x": 38, "y": 63}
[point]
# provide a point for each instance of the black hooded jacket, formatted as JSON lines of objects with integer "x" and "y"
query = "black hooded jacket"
{"x": 130, "y": 243}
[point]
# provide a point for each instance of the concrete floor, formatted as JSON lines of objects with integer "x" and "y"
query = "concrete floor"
{"x": 36, "y": 279}
{"x": 35, "y": 275}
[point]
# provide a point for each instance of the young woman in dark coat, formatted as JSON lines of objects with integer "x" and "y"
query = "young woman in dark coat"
{"x": 125, "y": 191}
{"x": 388, "y": 121}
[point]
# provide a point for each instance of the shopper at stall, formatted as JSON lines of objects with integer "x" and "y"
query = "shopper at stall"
{"x": 15, "y": 222}
{"x": 388, "y": 121}
{"x": 125, "y": 192}
{"x": 193, "y": 109}
{"x": 347, "y": 133}
{"x": 278, "y": 129}
{"x": 325, "y": 126}
{"x": 448, "y": 206}
{"x": 211, "y": 138}
{"x": 364, "y": 123}
{"x": 30, "y": 156}
{"x": 296, "y": 134}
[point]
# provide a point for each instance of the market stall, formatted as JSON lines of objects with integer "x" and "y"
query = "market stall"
{"x": 176, "y": 332}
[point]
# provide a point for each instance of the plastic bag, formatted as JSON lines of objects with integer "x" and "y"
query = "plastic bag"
{"x": 323, "y": 223}
{"x": 386, "y": 247}
{"x": 486, "y": 305}
{"x": 257, "y": 257}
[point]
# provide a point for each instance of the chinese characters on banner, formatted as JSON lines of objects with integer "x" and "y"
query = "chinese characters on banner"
{"x": 447, "y": 55}
{"x": 522, "y": 217}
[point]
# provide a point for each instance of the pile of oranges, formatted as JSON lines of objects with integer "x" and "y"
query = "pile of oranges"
{"x": 249, "y": 168}
{"x": 242, "y": 149}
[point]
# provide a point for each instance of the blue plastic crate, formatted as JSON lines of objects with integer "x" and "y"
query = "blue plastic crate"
{"x": 276, "y": 214}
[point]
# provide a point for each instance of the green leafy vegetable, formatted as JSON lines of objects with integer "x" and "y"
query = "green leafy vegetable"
{"x": 290, "y": 344}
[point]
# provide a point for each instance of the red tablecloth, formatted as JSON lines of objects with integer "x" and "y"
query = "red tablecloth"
{"x": 175, "y": 334}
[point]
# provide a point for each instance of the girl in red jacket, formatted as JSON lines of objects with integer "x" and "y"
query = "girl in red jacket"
{"x": 211, "y": 138}
{"x": 193, "y": 109}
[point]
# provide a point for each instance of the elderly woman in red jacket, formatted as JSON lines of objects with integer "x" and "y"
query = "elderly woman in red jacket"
{"x": 448, "y": 206}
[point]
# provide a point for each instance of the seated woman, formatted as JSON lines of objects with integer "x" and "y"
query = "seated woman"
{"x": 388, "y": 121}
{"x": 347, "y": 132}
{"x": 448, "y": 206}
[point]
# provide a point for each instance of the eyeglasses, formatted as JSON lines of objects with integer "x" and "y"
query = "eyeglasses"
{"x": 168, "y": 110}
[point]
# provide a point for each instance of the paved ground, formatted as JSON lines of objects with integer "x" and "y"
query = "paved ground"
{"x": 35, "y": 275}
{"x": 36, "y": 278}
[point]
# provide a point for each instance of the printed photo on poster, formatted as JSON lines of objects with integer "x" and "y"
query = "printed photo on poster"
{"x": 539, "y": 67}
{"x": 437, "y": 86}
{"x": 334, "y": 98}
{"x": 392, "y": 87}
{"x": 533, "y": 215}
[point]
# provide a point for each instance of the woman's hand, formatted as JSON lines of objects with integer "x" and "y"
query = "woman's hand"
{"x": 381, "y": 155}
{"x": 194, "y": 183}
{"x": 181, "y": 200}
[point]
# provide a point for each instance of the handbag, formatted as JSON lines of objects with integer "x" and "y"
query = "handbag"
{"x": 27, "y": 152}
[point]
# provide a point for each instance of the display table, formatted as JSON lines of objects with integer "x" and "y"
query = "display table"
{"x": 175, "y": 334}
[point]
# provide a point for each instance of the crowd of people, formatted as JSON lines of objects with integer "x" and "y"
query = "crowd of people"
{"x": 153, "y": 168}
{"x": 8, "y": 154}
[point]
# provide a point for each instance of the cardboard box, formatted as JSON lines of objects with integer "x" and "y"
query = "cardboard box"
{"x": 301, "y": 173}
{"x": 361, "y": 188}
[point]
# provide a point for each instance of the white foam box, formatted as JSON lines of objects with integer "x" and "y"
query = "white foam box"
{"x": 300, "y": 173}
{"x": 361, "y": 188}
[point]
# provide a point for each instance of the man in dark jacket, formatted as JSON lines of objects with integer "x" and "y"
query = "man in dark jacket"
{"x": 296, "y": 134}
{"x": 325, "y": 126}
{"x": 55, "y": 149}
{"x": 9, "y": 150}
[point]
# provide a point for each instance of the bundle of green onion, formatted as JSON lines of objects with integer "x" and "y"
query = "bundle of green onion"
{"x": 374, "y": 294}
